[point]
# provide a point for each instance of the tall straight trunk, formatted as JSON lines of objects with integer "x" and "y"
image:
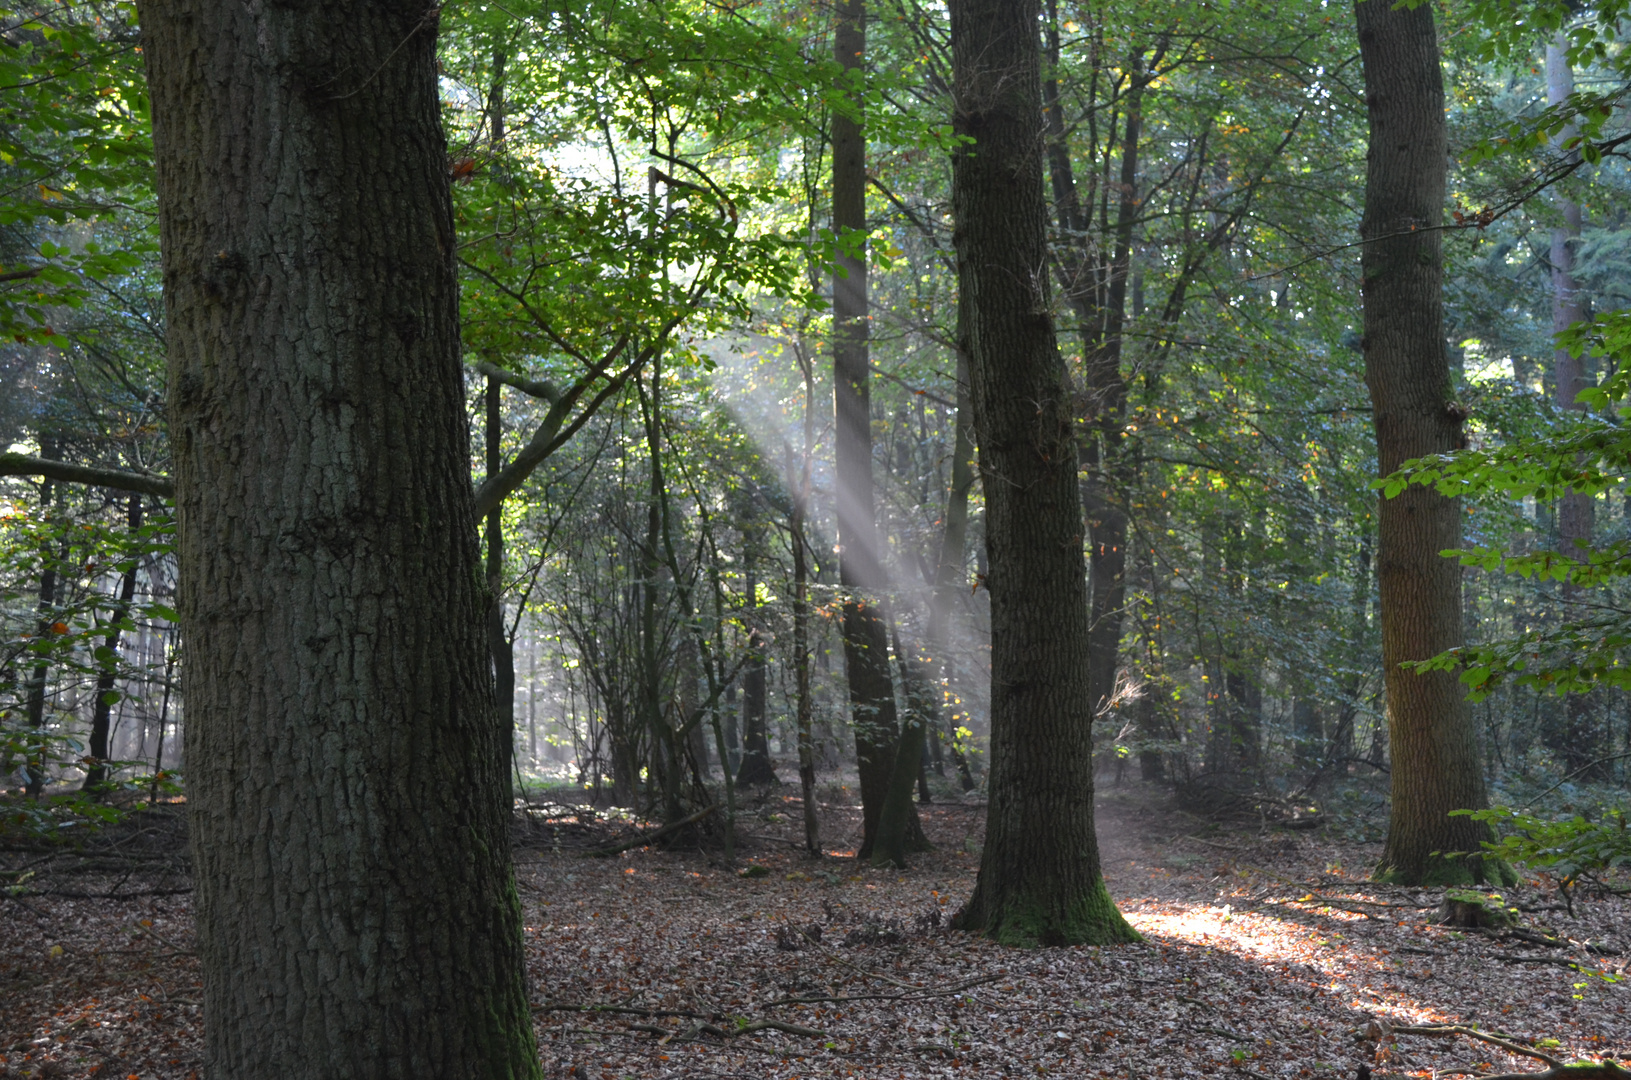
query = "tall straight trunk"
{"x": 1105, "y": 408}
{"x": 1040, "y": 881}
{"x": 355, "y": 904}
{"x": 1435, "y": 753}
{"x": 498, "y": 641}
{"x": 666, "y": 752}
{"x": 949, "y": 574}
{"x": 39, "y": 675}
{"x": 860, "y": 571}
{"x": 102, "y": 708}
{"x": 800, "y": 482}
{"x": 1584, "y": 738}
{"x": 499, "y": 646}
{"x": 1096, "y": 289}
{"x": 756, "y": 765}
{"x": 690, "y": 670}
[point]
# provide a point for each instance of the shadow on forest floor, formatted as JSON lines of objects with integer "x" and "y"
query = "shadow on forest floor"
{"x": 1264, "y": 956}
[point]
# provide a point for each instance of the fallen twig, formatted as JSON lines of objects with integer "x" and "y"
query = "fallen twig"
{"x": 920, "y": 993}
{"x": 633, "y": 1010}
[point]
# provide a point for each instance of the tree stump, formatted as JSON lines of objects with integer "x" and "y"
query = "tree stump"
{"x": 1465, "y": 907}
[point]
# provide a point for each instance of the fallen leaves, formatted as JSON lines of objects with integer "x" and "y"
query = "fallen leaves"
{"x": 1271, "y": 971}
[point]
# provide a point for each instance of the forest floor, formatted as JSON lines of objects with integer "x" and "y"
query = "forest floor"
{"x": 1265, "y": 955}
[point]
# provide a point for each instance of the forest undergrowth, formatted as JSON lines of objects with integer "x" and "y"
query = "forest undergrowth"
{"x": 1265, "y": 954}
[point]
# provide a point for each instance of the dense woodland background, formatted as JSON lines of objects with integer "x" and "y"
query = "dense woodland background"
{"x": 974, "y": 415}
{"x": 643, "y": 198}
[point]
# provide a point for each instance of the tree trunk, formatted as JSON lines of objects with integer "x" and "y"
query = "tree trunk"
{"x": 356, "y": 909}
{"x": 1435, "y": 754}
{"x": 39, "y": 675}
{"x": 102, "y": 708}
{"x": 1105, "y": 409}
{"x": 894, "y": 838}
{"x": 1040, "y": 880}
{"x": 800, "y": 483}
{"x": 499, "y": 645}
{"x": 860, "y": 572}
{"x": 756, "y": 765}
{"x": 1585, "y": 732}
{"x": 949, "y": 572}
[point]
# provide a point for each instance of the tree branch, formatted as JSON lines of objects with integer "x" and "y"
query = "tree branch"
{"x": 145, "y": 483}
{"x": 538, "y": 388}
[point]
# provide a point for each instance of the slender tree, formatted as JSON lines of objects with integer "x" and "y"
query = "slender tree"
{"x": 1582, "y": 740}
{"x": 356, "y": 909}
{"x": 1040, "y": 880}
{"x": 102, "y": 707}
{"x": 860, "y": 569}
{"x": 1435, "y": 755}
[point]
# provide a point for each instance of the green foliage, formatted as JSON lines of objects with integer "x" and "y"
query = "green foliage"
{"x": 58, "y": 815}
{"x": 75, "y": 148}
{"x": 1568, "y": 848}
{"x": 1587, "y": 453}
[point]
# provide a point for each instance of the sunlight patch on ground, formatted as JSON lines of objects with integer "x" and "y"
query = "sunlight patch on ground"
{"x": 1329, "y": 960}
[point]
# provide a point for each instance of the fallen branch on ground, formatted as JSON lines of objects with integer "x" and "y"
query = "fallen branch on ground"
{"x": 647, "y": 837}
{"x": 924, "y": 992}
{"x": 1558, "y": 1068}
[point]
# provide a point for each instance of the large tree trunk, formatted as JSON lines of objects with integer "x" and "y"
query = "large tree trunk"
{"x": 1435, "y": 755}
{"x": 1040, "y": 880}
{"x": 356, "y": 909}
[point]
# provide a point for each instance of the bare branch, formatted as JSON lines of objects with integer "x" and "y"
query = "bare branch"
{"x": 538, "y": 388}
{"x": 145, "y": 483}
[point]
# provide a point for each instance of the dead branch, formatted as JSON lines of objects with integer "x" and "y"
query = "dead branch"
{"x": 631, "y": 1010}
{"x": 913, "y": 994}
{"x": 1444, "y": 1031}
{"x": 647, "y": 837}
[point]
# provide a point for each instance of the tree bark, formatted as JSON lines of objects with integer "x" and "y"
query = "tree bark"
{"x": 356, "y": 909}
{"x": 1435, "y": 755}
{"x": 1040, "y": 880}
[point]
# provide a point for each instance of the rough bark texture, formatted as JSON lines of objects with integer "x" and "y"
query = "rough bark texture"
{"x": 1435, "y": 756}
{"x": 1040, "y": 881}
{"x": 356, "y": 910}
